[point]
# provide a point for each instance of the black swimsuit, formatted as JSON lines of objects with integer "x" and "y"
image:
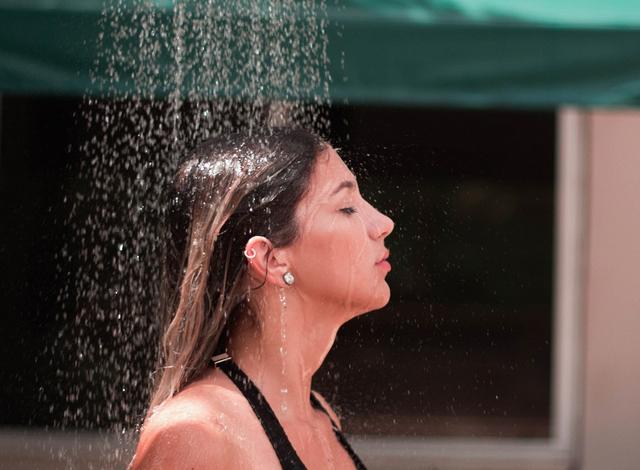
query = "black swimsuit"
{"x": 287, "y": 455}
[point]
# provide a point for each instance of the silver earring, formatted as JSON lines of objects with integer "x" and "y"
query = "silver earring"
{"x": 253, "y": 255}
{"x": 288, "y": 278}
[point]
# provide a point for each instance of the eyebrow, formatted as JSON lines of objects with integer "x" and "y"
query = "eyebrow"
{"x": 345, "y": 184}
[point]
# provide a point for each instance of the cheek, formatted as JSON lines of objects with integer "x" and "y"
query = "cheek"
{"x": 345, "y": 241}
{"x": 337, "y": 267}
{"x": 337, "y": 257}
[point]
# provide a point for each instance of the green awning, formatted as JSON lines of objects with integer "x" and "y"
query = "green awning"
{"x": 516, "y": 53}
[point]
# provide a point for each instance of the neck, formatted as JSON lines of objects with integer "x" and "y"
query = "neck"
{"x": 281, "y": 351}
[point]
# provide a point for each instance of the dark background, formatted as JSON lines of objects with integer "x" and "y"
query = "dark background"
{"x": 463, "y": 348}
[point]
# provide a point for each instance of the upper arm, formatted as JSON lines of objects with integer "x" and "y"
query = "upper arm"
{"x": 184, "y": 445}
{"x": 326, "y": 406}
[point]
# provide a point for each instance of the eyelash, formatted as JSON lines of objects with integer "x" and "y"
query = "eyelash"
{"x": 349, "y": 210}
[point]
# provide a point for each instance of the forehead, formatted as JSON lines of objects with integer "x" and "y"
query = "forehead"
{"x": 328, "y": 172}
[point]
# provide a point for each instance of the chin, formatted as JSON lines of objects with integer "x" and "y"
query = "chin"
{"x": 385, "y": 300}
{"x": 383, "y": 294}
{"x": 379, "y": 300}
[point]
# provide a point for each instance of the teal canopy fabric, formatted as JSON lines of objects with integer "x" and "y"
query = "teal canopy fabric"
{"x": 505, "y": 53}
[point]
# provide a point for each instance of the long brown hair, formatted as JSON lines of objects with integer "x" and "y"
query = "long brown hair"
{"x": 227, "y": 190}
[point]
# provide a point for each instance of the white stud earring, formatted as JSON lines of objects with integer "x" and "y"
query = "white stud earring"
{"x": 288, "y": 278}
{"x": 253, "y": 255}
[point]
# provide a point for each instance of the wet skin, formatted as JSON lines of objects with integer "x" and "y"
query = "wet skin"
{"x": 337, "y": 277}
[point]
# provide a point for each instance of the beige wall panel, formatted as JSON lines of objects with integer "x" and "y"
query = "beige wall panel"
{"x": 612, "y": 372}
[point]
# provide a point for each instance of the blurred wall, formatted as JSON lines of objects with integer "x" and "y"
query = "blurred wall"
{"x": 612, "y": 375}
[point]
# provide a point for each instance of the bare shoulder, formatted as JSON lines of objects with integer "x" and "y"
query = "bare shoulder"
{"x": 189, "y": 431}
{"x": 329, "y": 409}
{"x": 181, "y": 444}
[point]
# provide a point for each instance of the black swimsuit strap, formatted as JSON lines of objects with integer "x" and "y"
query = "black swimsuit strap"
{"x": 284, "y": 450}
{"x": 287, "y": 455}
{"x": 341, "y": 438}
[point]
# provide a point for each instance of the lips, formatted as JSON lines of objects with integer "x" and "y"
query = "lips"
{"x": 384, "y": 257}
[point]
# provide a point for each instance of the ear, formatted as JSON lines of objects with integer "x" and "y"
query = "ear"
{"x": 269, "y": 264}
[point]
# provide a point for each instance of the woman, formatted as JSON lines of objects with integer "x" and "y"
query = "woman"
{"x": 272, "y": 249}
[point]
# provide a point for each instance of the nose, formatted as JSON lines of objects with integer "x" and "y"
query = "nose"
{"x": 382, "y": 226}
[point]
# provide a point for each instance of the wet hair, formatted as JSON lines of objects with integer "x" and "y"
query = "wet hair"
{"x": 228, "y": 189}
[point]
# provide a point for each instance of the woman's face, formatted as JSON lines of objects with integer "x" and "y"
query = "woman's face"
{"x": 336, "y": 259}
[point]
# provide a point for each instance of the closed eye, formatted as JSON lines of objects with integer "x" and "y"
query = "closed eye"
{"x": 349, "y": 210}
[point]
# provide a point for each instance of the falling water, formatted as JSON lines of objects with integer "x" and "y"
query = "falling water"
{"x": 283, "y": 351}
{"x": 170, "y": 73}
